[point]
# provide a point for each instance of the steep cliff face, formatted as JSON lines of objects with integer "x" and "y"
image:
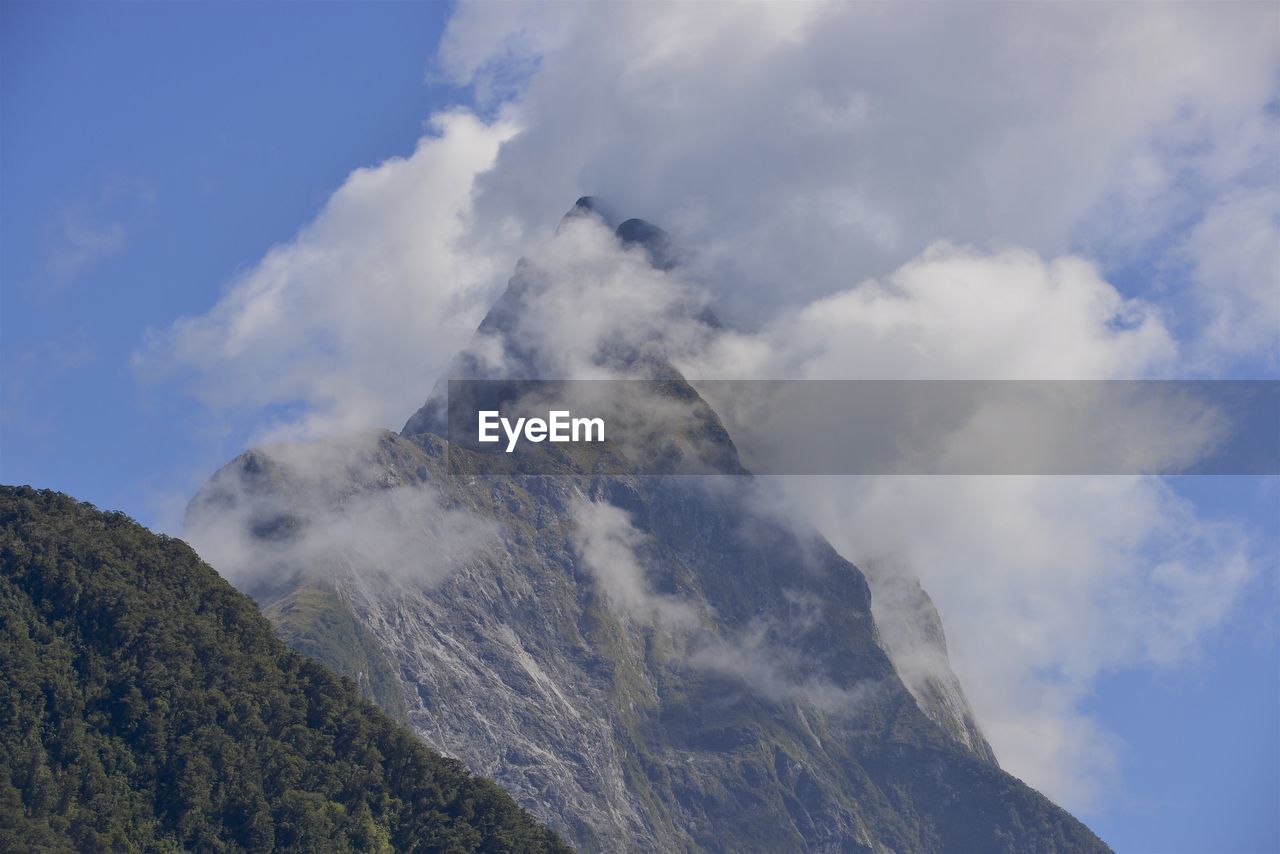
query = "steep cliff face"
{"x": 650, "y": 662}
{"x": 911, "y": 630}
{"x": 646, "y": 663}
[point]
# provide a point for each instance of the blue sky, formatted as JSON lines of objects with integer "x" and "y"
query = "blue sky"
{"x": 152, "y": 154}
{"x": 169, "y": 146}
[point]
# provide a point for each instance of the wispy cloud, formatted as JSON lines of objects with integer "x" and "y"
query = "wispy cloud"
{"x": 330, "y": 511}
{"x": 757, "y": 659}
{"x": 92, "y": 230}
{"x": 611, "y": 549}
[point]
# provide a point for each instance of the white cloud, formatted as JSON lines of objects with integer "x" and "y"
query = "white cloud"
{"x": 611, "y": 549}
{"x": 352, "y": 319}
{"x": 957, "y": 313}
{"x": 333, "y": 511}
{"x": 1235, "y": 251}
{"x": 588, "y": 292}
{"x": 780, "y": 674}
{"x": 1044, "y": 585}
{"x": 802, "y": 147}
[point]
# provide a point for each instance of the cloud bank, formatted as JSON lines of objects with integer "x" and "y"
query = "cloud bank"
{"x": 803, "y": 147}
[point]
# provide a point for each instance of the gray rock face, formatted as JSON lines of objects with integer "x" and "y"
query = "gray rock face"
{"x": 730, "y": 694}
{"x": 646, "y": 664}
{"x": 911, "y": 630}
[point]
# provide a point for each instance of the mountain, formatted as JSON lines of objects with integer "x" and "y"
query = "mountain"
{"x": 147, "y": 705}
{"x": 911, "y": 631}
{"x": 645, "y": 663}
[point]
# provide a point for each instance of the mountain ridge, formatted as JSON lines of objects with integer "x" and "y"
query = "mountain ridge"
{"x": 645, "y": 662}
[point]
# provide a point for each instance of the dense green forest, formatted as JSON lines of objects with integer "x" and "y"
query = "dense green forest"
{"x": 146, "y": 705}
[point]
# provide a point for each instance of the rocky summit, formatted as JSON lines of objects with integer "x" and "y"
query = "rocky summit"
{"x": 644, "y": 663}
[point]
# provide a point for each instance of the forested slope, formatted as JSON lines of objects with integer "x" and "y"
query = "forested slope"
{"x": 146, "y": 705}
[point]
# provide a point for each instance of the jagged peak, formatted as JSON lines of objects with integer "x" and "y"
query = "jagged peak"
{"x": 589, "y": 206}
{"x": 656, "y": 241}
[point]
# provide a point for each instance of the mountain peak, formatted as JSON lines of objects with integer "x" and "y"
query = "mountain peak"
{"x": 589, "y": 206}
{"x": 656, "y": 241}
{"x": 521, "y": 359}
{"x": 647, "y": 663}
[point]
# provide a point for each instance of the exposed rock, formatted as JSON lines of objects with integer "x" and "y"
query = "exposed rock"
{"x": 645, "y": 663}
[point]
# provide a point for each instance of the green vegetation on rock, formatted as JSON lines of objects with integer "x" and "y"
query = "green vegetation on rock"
{"x": 318, "y": 623}
{"x": 147, "y": 705}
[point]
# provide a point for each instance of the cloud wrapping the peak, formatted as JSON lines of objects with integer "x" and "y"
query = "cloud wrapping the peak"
{"x": 588, "y": 293}
{"x": 801, "y": 147}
